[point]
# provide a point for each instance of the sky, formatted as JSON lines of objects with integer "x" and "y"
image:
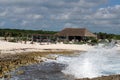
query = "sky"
{"x": 55, "y": 15}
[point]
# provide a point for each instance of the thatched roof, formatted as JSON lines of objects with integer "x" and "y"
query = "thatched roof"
{"x": 75, "y": 32}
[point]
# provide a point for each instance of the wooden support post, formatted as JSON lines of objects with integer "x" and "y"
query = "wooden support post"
{"x": 40, "y": 39}
{"x": 67, "y": 38}
{"x": 47, "y": 40}
{"x": 32, "y": 39}
{"x": 74, "y": 39}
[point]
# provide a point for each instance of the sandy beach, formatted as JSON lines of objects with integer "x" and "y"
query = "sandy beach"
{"x": 9, "y": 47}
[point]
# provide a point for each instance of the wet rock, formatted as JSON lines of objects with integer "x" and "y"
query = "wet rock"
{"x": 7, "y": 76}
{"x": 53, "y": 57}
{"x": 111, "y": 77}
{"x": 20, "y": 72}
{"x": 10, "y": 62}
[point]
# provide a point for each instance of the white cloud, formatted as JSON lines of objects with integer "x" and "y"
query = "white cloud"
{"x": 57, "y": 14}
{"x": 24, "y": 23}
{"x": 34, "y": 16}
{"x": 64, "y": 16}
{"x": 68, "y": 25}
{"x": 19, "y": 10}
{"x": 4, "y": 13}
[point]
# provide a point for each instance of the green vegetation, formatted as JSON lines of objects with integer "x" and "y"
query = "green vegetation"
{"x": 108, "y": 36}
{"x": 15, "y": 35}
{"x": 20, "y": 33}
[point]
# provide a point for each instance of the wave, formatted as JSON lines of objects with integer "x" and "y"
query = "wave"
{"x": 100, "y": 61}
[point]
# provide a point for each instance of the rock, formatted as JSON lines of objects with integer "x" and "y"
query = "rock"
{"x": 1, "y": 74}
{"x": 53, "y": 57}
{"x": 20, "y": 72}
{"x": 111, "y": 77}
{"x": 0, "y": 68}
{"x": 7, "y": 76}
{"x": 5, "y": 69}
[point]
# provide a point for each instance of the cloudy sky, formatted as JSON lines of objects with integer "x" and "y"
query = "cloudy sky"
{"x": 96, "y": 15}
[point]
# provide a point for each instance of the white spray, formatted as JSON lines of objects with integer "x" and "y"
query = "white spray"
{"x": 96, "y": 62}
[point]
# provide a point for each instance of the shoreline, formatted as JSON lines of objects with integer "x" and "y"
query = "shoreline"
{"x": 13, "y": 48}
{"x": 109, "y": 77}
{"x": 30, "y": 50}
{"x": 10, "y": 62}
{"x": 14, "y": 55}
{"x": 9, "y": 47}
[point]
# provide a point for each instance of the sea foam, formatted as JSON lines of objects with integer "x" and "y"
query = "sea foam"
{"x": 102, "y": 60}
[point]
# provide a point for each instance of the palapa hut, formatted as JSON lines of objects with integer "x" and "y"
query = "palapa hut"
{"x": 74, "y": 34}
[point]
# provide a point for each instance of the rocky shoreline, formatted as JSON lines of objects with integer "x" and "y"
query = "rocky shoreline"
{"x": 111, "y": 77}
{"x": 10, "y": 62}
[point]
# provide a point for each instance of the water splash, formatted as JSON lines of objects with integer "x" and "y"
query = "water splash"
{"x": 102, "y": 60}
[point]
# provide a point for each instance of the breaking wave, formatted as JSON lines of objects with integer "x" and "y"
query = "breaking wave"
{"x": 100, "y": 61}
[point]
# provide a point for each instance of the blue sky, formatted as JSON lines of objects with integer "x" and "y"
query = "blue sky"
{"x": 113, "y": 2}
{"x": 96, "y": 15}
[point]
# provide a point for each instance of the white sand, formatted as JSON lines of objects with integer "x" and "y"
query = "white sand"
{"x": 8, "y": 47}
